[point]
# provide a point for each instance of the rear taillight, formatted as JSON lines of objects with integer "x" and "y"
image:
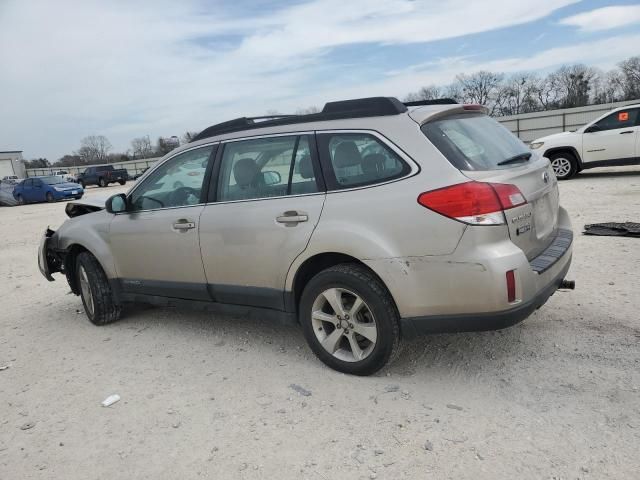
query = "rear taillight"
{"x": 476, "y": 203}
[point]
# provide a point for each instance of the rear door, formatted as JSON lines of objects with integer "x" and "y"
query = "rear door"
{"x": 486, "y": 151}
{"x": 614, "y": 137}
{"x": 267, "y": 196}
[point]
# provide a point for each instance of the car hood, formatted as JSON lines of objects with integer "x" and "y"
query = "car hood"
{"x": 76, "y": 208}
{"x": 66, "y": 185}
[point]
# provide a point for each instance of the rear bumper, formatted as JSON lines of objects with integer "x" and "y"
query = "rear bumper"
{"x": 467, "y": 290}
{"x": 415, "y": 326}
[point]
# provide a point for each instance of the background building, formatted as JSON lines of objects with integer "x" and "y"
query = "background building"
{"x": 11, "y": 163}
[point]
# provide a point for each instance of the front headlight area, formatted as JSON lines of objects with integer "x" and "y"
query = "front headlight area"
{"x": 535, "y": 145}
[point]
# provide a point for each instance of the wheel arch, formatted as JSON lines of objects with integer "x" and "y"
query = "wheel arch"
{"x": 314, "y": 265}
{"x": 566, "y": 149}
{"x": 70, "y": 258}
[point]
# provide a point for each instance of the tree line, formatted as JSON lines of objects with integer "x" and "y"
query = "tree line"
{"x": 568, "y": 86}
{"x": 97, "y": 149}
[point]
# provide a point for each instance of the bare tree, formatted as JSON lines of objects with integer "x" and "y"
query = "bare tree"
{"x": 94, "y": 149}
{"x": 430, "y": 92}
{"x": 630, "y": 78}
{"x": 481, "y": 87}
{"x": 608, "y": 87}
{"x": 549, "y": 92}
{"x": 142, "y": 147}
{"x": 453, "y": 91}
{"x": 574, "y": 82}
{"x": 518, "y": 95}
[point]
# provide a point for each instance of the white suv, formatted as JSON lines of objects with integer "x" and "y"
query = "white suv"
{"x": 611, "y": 140}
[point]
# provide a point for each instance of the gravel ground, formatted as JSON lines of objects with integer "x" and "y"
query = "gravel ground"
{"x": 557, "y": 396}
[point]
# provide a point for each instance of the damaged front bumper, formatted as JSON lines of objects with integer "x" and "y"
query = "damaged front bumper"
{"x": 48, "y": 263}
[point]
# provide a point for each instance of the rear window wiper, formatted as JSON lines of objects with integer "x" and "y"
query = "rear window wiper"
{"x": 516, "y": 158}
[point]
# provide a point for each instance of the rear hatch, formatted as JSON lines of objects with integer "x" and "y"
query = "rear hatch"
{"x": 532, "y": 226}
{"x": 485, "y": 151}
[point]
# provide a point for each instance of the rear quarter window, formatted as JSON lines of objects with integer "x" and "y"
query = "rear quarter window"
{"x": 358, "y": 159}
{"x": 474, "y": 141}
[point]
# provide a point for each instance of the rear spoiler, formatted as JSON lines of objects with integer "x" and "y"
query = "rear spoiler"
{"x": 423, "y": 115}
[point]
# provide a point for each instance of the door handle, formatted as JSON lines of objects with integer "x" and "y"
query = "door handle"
{"x": 291, "y": 217}
{"x": 627, "y": 131}
{"x": 184, "y": 225}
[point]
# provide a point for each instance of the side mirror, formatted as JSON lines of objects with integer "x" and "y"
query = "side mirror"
{"x": 116, "y": 203}
{"x": 271, "y": 177}
{"x": 592, "y": 128}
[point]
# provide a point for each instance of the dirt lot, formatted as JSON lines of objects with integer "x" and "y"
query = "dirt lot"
{"x": 557, "y": 396}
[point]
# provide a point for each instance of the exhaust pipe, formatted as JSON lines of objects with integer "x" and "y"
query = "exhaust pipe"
{"x": 567, "y": 285}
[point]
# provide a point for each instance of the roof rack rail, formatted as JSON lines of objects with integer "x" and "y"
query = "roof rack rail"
{"x": 435, "y": 101}
{"x": 356, "y": 108}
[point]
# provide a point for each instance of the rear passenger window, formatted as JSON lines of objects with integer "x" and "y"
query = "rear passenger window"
{"x": 266, "y": 167}
{"x": 357, "y": 159}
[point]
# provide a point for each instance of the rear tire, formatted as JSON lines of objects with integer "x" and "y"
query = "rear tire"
{"x": 564, "y": 165}
{"x": 359, "y": 340}
{"x": 20, "y": 200}
{"x": 122, "y": 182}
{"x": 95, "y": 291}
{"x": 49, "y": 197}
{"x": 102, "y": 182}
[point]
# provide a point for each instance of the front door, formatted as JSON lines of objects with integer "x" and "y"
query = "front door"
{"x": 155, "y": 243}
{"x": 269, "y": 199}
{"x": 614, "y": 137}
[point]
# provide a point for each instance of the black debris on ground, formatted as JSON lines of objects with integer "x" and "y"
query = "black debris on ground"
{"x": 626, "y": 229}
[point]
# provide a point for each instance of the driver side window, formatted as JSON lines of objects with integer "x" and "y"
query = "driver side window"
{"x": 620, "y": 119}
{"x": 176, "y": 183}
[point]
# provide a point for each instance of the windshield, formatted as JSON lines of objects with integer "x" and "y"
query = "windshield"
{"x": 475, "y": 142}
{"x": 52, "y": 180}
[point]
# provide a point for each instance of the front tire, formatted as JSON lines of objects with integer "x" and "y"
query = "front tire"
{"x": 564, "y": 165}
{"x": 82, "y": 184}
{"x": 20, "y": 200}
{"x": 49, "y": 197}
{"x": 95, "y": 291}
{"x": 102, "y": 182}
{"x": 350, "y": 320}
{"x": 122, "y": 182}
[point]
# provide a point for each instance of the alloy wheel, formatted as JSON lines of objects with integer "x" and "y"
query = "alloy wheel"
{"x": 344, "y": 324}
{"x": 561, "y": 166}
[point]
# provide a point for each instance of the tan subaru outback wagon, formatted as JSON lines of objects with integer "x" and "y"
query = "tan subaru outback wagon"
{"x": 366, "y": 223}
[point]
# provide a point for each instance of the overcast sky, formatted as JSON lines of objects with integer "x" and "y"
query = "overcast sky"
{"x": 130, "y": 68}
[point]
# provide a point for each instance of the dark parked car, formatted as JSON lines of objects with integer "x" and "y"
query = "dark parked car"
{"x": 103, "y": 175}
{"x": 46, "y": 189}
